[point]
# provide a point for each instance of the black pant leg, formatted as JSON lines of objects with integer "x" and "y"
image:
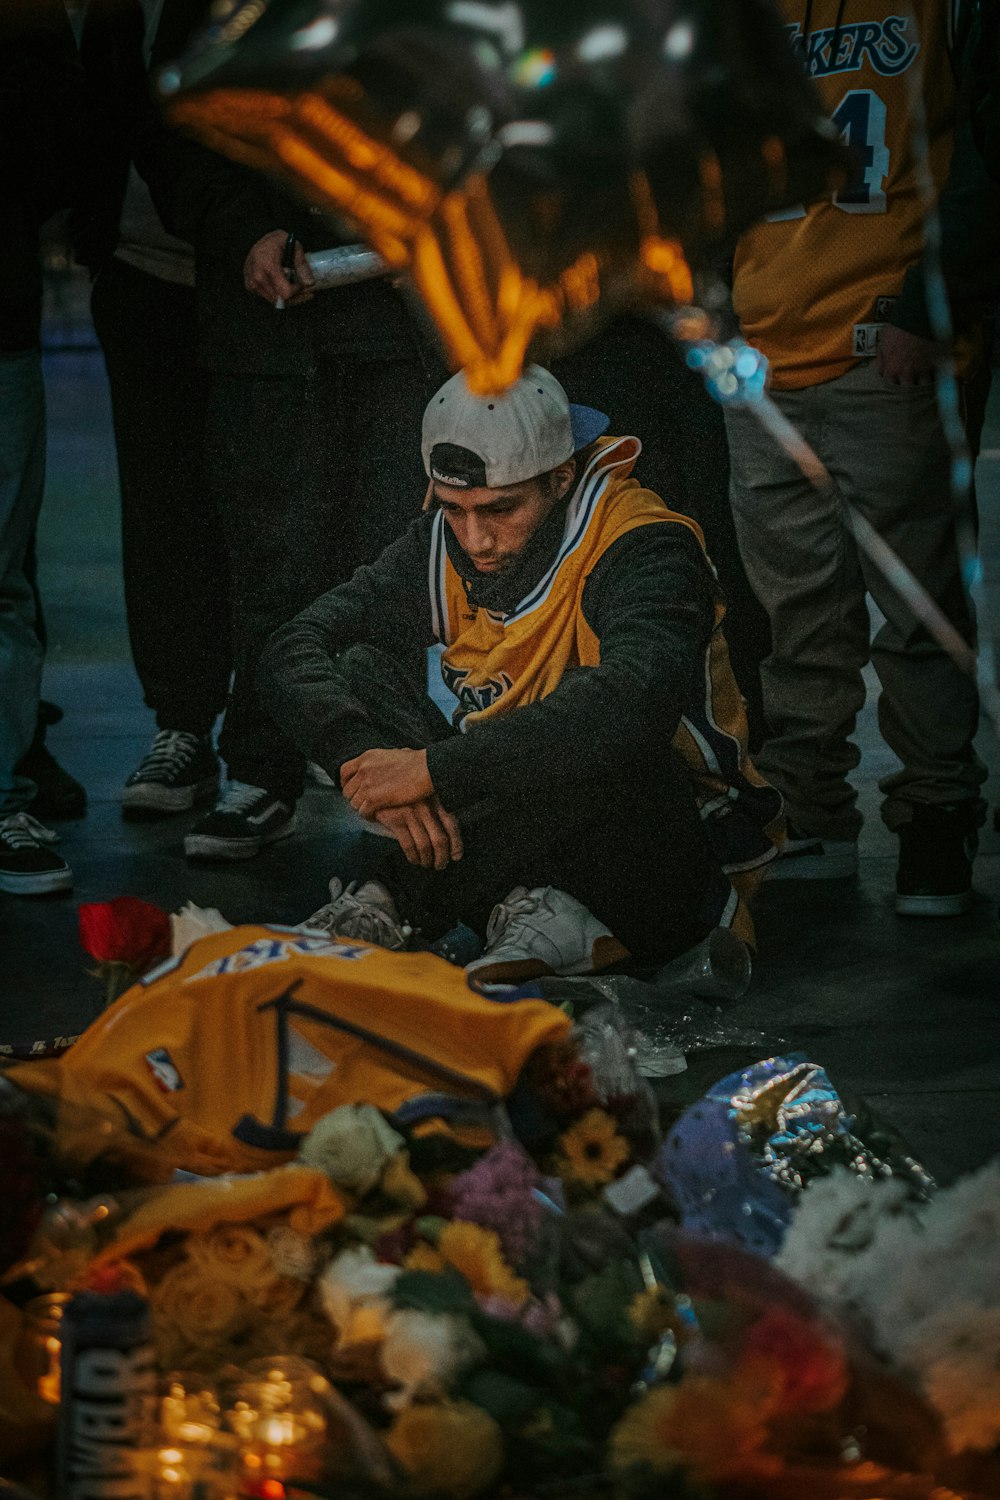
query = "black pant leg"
{"x": 261, "y": 442}
{"x": 174, "y": 561}
{"x": 630, "y": 845}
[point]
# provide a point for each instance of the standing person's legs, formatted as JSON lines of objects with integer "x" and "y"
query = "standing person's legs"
{"x": 174, "y": 564}
{"x": 895, "y": 461}
{"x": 263, "y": 450}
{"x": 27, "y": 865}
{"x": 22, "y": 481}
{"x": 373, "y": 471}
{"x": 175, "y": 572}
{"x": 801, "y": 559}
{"x": 892, "y": 458}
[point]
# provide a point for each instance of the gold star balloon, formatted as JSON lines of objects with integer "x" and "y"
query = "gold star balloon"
{"x": 533, "y": 165}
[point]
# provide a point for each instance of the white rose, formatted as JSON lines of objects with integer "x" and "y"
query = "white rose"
{"x": 424, "y": 1353}
{"x": 292, "y": 1252}
{"x": 351, "y": 1145}
{"x": 355, "y": 1279}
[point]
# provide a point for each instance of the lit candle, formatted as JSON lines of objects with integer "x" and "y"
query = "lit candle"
{"x": 49, "y": 1381}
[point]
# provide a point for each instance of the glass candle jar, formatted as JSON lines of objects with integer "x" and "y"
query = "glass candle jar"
{"x": 39, "y": 1349}
{"x": 279, "y": 1417}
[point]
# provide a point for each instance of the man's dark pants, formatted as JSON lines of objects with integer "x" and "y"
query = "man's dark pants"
{"x": 311, "y": 477}
{"x": 176, "y": 574}
{"x": 628, "y": 844}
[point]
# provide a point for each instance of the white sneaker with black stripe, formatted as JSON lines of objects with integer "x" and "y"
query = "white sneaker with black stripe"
{"x": 243, "y": 820}
{"x": 179, "y": 770}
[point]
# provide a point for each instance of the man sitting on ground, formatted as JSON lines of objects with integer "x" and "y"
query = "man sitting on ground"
{"x": 593, "y": 798}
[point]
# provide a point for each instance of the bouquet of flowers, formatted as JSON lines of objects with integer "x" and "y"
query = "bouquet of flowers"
{"x": 535, "y": 1319}
{"x": 529, "y": 1311}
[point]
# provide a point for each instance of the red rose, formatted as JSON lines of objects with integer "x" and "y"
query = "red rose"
{"x": 807, "y": 1358}
{"x": 126, "y": 936}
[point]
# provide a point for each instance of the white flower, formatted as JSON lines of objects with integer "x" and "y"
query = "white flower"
{"x": 835, "y": 1224}
{"x": 925, "y": 1278}
{"x": 956, "y": 1352}
{"x": 354, "y": 1279}
{"x": 292, "y": 1252}
{"x": 198, "y": 1307}
{"x": 351, "y": 1145}
{"x": 424, "y": 1353}
{"x": 194, "y": 922}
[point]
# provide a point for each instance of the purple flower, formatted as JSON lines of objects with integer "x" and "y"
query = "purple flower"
{"x": 499, "y": 1193}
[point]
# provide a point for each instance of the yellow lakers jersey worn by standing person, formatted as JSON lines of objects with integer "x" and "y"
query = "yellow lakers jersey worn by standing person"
{"x": 812, "y": 286}
{"x": 495, "y": 663}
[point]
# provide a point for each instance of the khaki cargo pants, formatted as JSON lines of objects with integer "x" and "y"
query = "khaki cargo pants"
{"x": 885, "y": 450}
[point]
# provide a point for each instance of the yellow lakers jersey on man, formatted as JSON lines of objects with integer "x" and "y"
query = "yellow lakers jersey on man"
{"x": 496, "y": 663}
{"x": 811, "y": 286}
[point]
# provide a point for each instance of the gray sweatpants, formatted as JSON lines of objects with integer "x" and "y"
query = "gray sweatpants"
{"x": 886, "y": 453}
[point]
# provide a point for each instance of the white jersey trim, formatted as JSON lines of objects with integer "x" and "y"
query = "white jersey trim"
{"x": 579, "y": 514}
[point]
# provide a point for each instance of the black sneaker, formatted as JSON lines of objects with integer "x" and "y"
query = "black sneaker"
{"x": 243, "y": 820}
{"x": 180, "y": 770}
{"x": 28, "y": 867}
{"x": 934, "y": 876}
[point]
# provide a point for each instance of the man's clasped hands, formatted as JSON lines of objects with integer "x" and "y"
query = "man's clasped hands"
{"x": 394, "y": 788}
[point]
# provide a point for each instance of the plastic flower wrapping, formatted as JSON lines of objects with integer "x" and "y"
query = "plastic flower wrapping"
{"x": 522, "y": 1299}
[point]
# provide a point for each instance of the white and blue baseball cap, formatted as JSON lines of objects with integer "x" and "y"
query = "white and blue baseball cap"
{"x": 471, "y": 441}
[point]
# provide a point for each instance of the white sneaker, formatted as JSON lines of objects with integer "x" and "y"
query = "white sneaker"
{"x": 366, "y": 912}
{"x": 544, "y": 931}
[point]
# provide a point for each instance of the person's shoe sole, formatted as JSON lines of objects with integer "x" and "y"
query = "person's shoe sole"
{"x": 153, "y": 797}
{"x": 934, "y": 906}
{"x": 41, "y": 883}
{"x": 209, "y": 846}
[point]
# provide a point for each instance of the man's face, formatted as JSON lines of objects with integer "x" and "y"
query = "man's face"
{"x": 493, "y": 526}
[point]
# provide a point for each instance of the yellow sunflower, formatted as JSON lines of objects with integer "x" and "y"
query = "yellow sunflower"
{"x": 651, "y": 1312}
{"x": 451, "y": 1448}
{"x": 593, "y": 1149}
{"x": 704, "y": 1424}
{"x": 476, "y": 1253}
{"x": 424, "y": 1257}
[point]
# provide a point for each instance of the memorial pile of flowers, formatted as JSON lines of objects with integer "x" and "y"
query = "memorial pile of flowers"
{"x": 577, "y": 1303}
{"x": 538, "y": 1322}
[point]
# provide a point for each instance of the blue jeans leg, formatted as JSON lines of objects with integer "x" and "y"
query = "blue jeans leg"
{"x": 22, "y": 480}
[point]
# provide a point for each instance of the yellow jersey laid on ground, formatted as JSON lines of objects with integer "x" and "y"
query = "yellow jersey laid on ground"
{"x": 497, "y": 663}
{"x": 223, "y": 1058}
{"x": 811, "y": 287}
